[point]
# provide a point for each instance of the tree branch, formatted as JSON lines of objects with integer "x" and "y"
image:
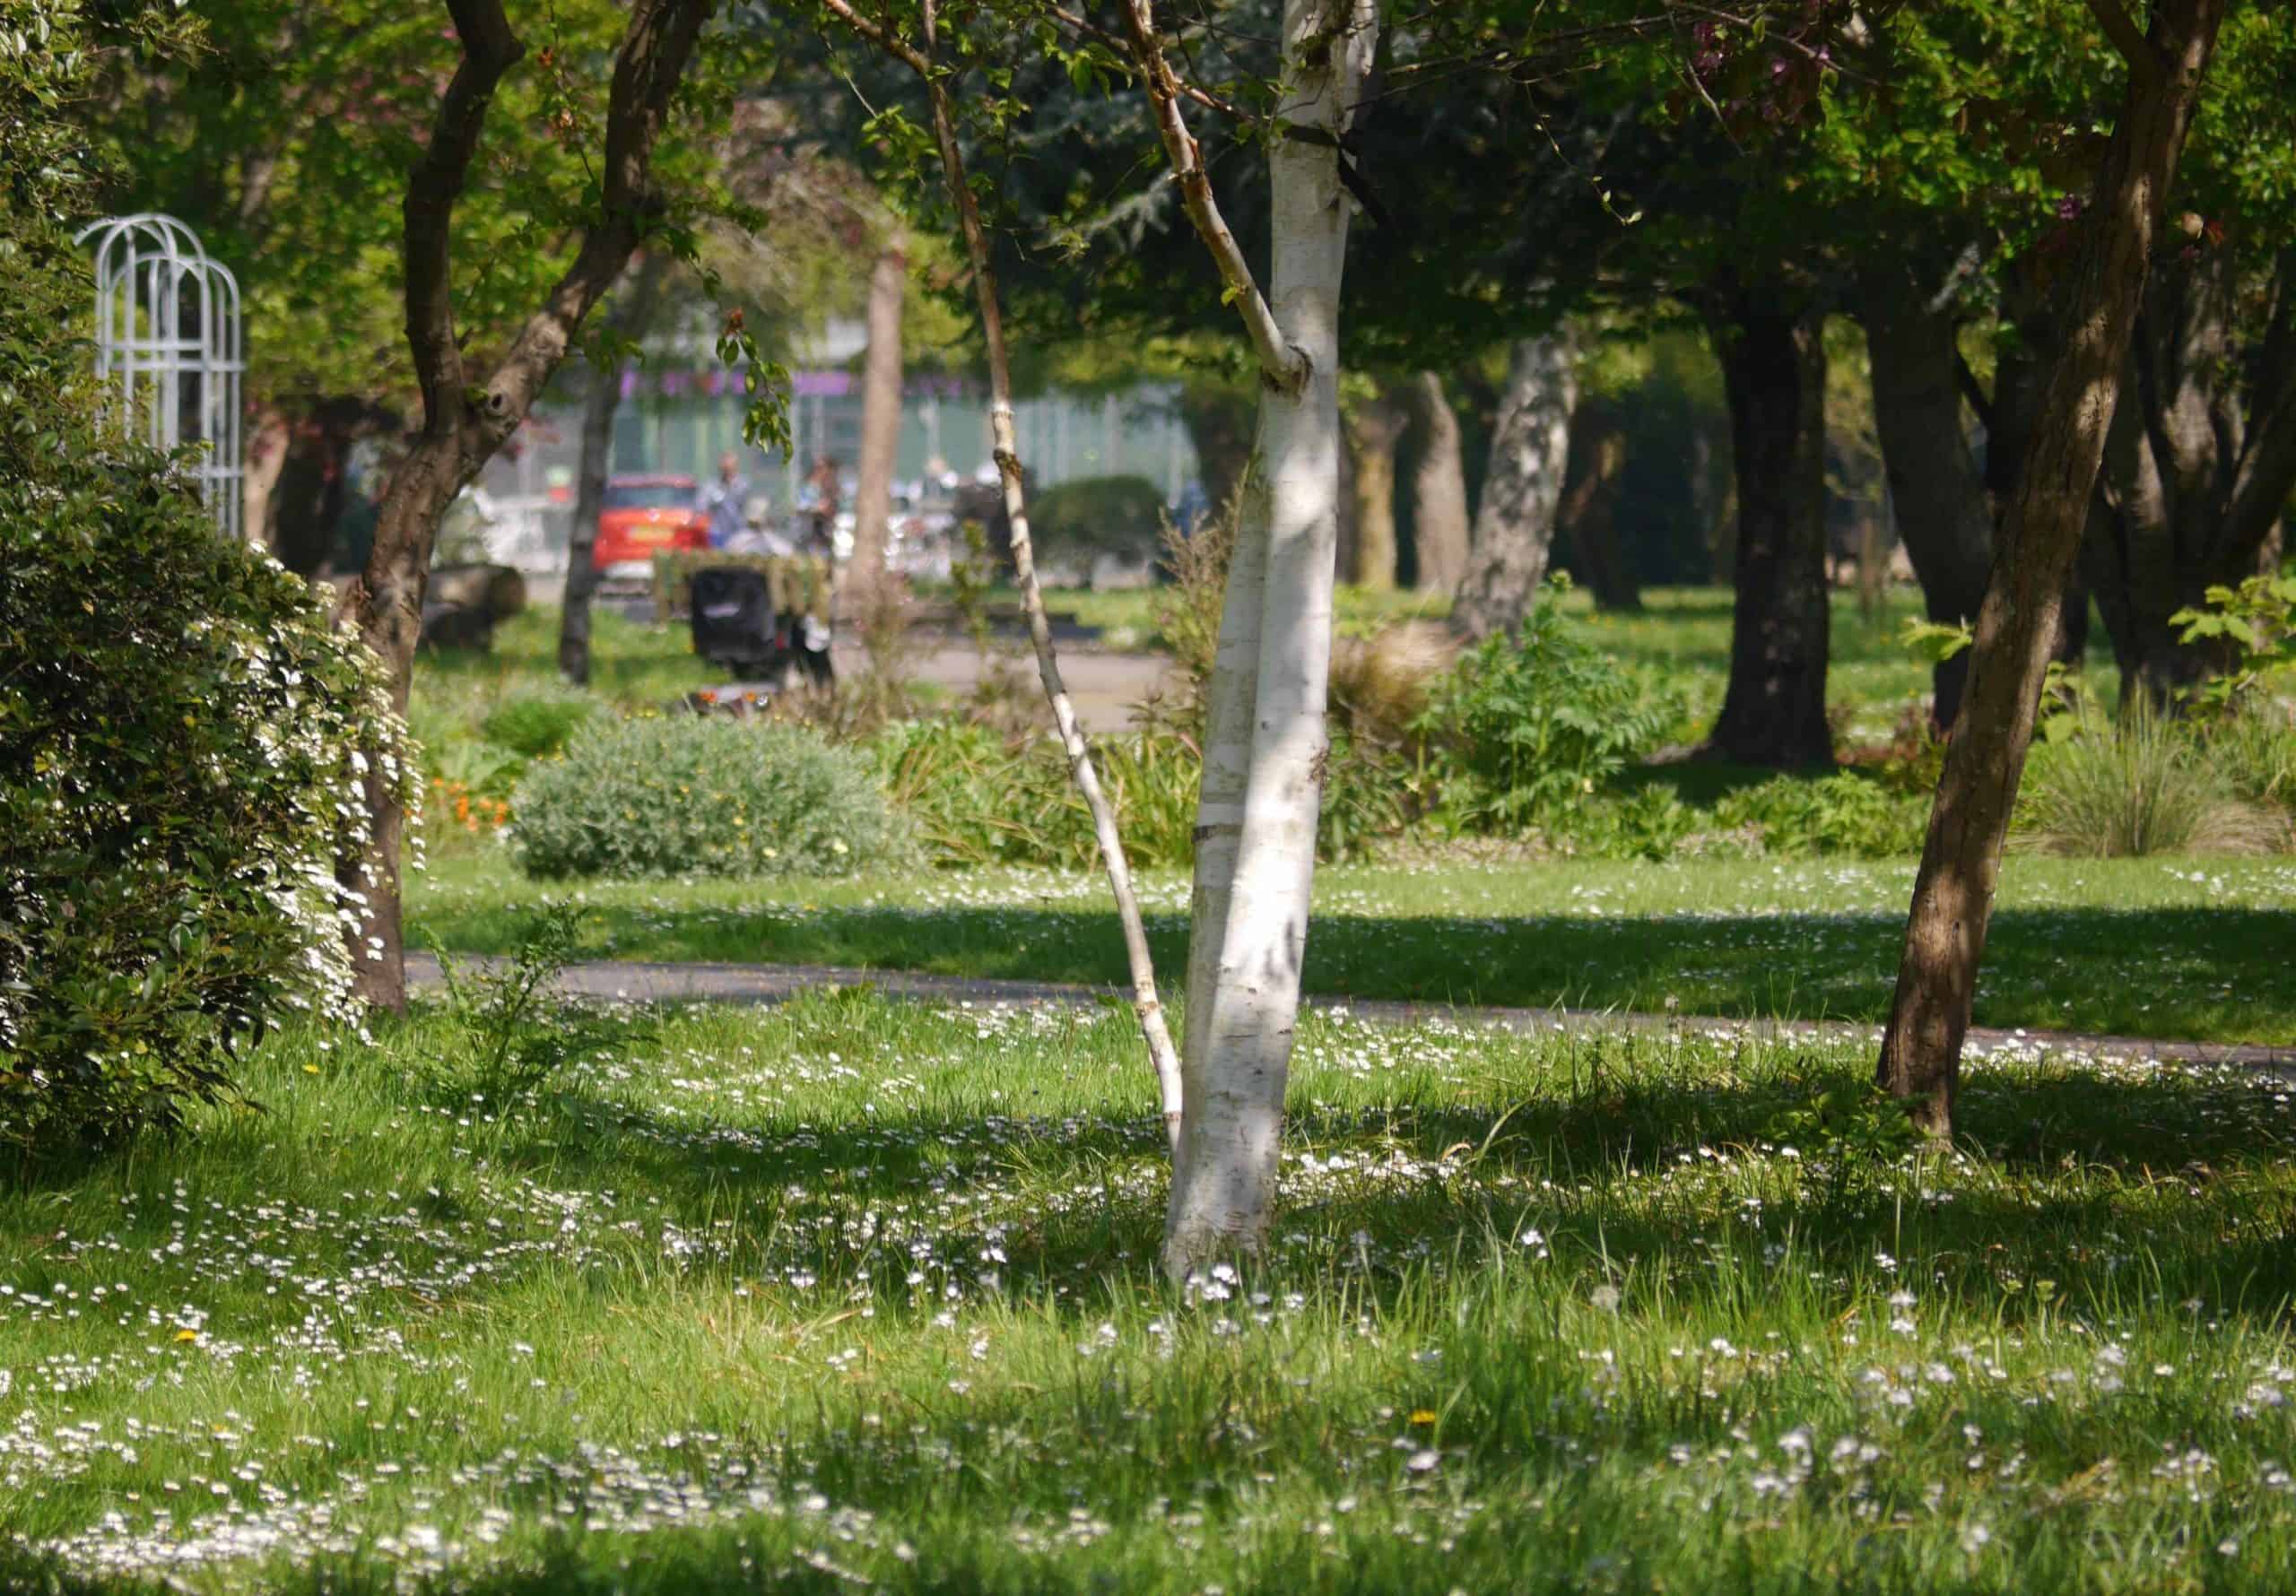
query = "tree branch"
{"x": 490, "y": 49}
{"x": 884, "y": 37}
{"x": 1092, "y": 30}
{"x": 1146, "y": 1005}
{"x": 2127, "y": 38}
{"x": 1279, "y": 363}
{"x": 655, "y": 50}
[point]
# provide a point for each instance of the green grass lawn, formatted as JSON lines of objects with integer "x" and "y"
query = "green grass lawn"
{"x": 853, "y": 1295}
{"x": 2183, "y": 949}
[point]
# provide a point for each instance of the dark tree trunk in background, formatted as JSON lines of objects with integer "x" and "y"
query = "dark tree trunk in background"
{"x": 1375, "y": 429}
{"x": 311, "y": 486}
{"x": 1714, "y": 495}
{"x": 1945, "y": 517}
{"x": 1522, "y": 488}
{"x": 1772, "y": 349}
{"x": 627, "y": 319}
{"x": 1438, "y": 488}
{"x": 881, "y": 384}
{"x": 1587, "y": 517}
{"x": 468, "y": 414}
{"x": 2033, "y": 333}
{"x": 1220, "y": 418}
{"x": 2041, "y": 534}
{"x": 2200, "y": 459}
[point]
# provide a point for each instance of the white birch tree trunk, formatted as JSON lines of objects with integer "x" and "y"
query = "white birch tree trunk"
{"x": 1514, "y": 524}
{"x": 1266, "y": 740}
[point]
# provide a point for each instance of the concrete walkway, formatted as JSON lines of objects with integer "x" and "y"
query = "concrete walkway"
{"x": 632, "y": 981}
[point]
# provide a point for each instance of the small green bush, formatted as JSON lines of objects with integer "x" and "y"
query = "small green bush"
{"x": 2144, "y": 786}
{"x": 512, "y": 1033}
{"x": 679, "y": 795}
{"x": 1649, "y": 823}
{"x": 1842, "y": 813}
{"x": 977, "y": 798}
{"x": 1527, "y": 725}
{"x": 959, "y": 784}
{"x": 1121, "y": 515}
{"x": 537, "y": 723}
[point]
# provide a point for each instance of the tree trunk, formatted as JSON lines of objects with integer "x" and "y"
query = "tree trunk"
{"x": 881, "y": 384}
{"x": 1514, "y": 525}
{"x": 465, "y": 423}
{"x": 1944, "y": 514}
{"x": 1375, "y": 429}
{"x": 266, "y": 457}
{"x": 2200, "y": 458}
{"x": 310, "y": 489}
{"x": 1773, "y": 356}
{"x": 2032, "y": 335}
{"x": 627, "y": 319}
{"x": 2017, "y": 624}
{"x": 1438, "y": 488}
{"x": 1588, "y": 514}
{"x": 1264, "y": 741}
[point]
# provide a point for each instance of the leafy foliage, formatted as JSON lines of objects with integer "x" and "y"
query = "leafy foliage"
{"x": 1531, "y": 723}
{"x": 703, "y": 795}
{"x": 1842, "y": 813}
{"x": 177, "y": 718}
{"x": 978, "y": 798}
{"x": 167, "y": 882}
{"x": 2256, "y": 623}
{"x": 536, "y": 724}
{"x": 2256, "y": 749}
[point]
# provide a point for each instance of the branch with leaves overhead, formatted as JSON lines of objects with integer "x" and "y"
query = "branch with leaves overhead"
{"x": 1279, "y": 363}
{"x": 1147, "y": 1006}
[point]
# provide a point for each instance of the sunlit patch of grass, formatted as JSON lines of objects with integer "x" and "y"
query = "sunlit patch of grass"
{"x": 852, "y": 1290}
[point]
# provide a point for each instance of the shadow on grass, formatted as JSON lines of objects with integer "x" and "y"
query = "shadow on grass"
{"x": 2188, "y": 1166}
{"x": 2207, "y": 973}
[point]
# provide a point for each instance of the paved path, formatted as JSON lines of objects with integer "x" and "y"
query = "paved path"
{"x": 632, "y": 981}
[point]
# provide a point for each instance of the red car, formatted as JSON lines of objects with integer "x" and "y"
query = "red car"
{"x": 643, "y": 517}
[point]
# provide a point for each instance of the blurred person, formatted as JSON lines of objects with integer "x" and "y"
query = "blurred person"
{"x": 724, "y": 503}
{"x": 823, "y": 483}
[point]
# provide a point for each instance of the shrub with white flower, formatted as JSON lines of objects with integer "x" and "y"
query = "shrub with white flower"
{"x": 180, "y": 768}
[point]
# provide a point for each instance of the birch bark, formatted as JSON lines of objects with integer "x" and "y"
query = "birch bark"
{"x": 1265, "y": 738}
{"x": 1514, "y": 525}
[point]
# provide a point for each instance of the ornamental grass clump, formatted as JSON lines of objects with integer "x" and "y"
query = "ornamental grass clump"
{"x": 2145, "y": 786}
{"x": 685, "y": 795}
